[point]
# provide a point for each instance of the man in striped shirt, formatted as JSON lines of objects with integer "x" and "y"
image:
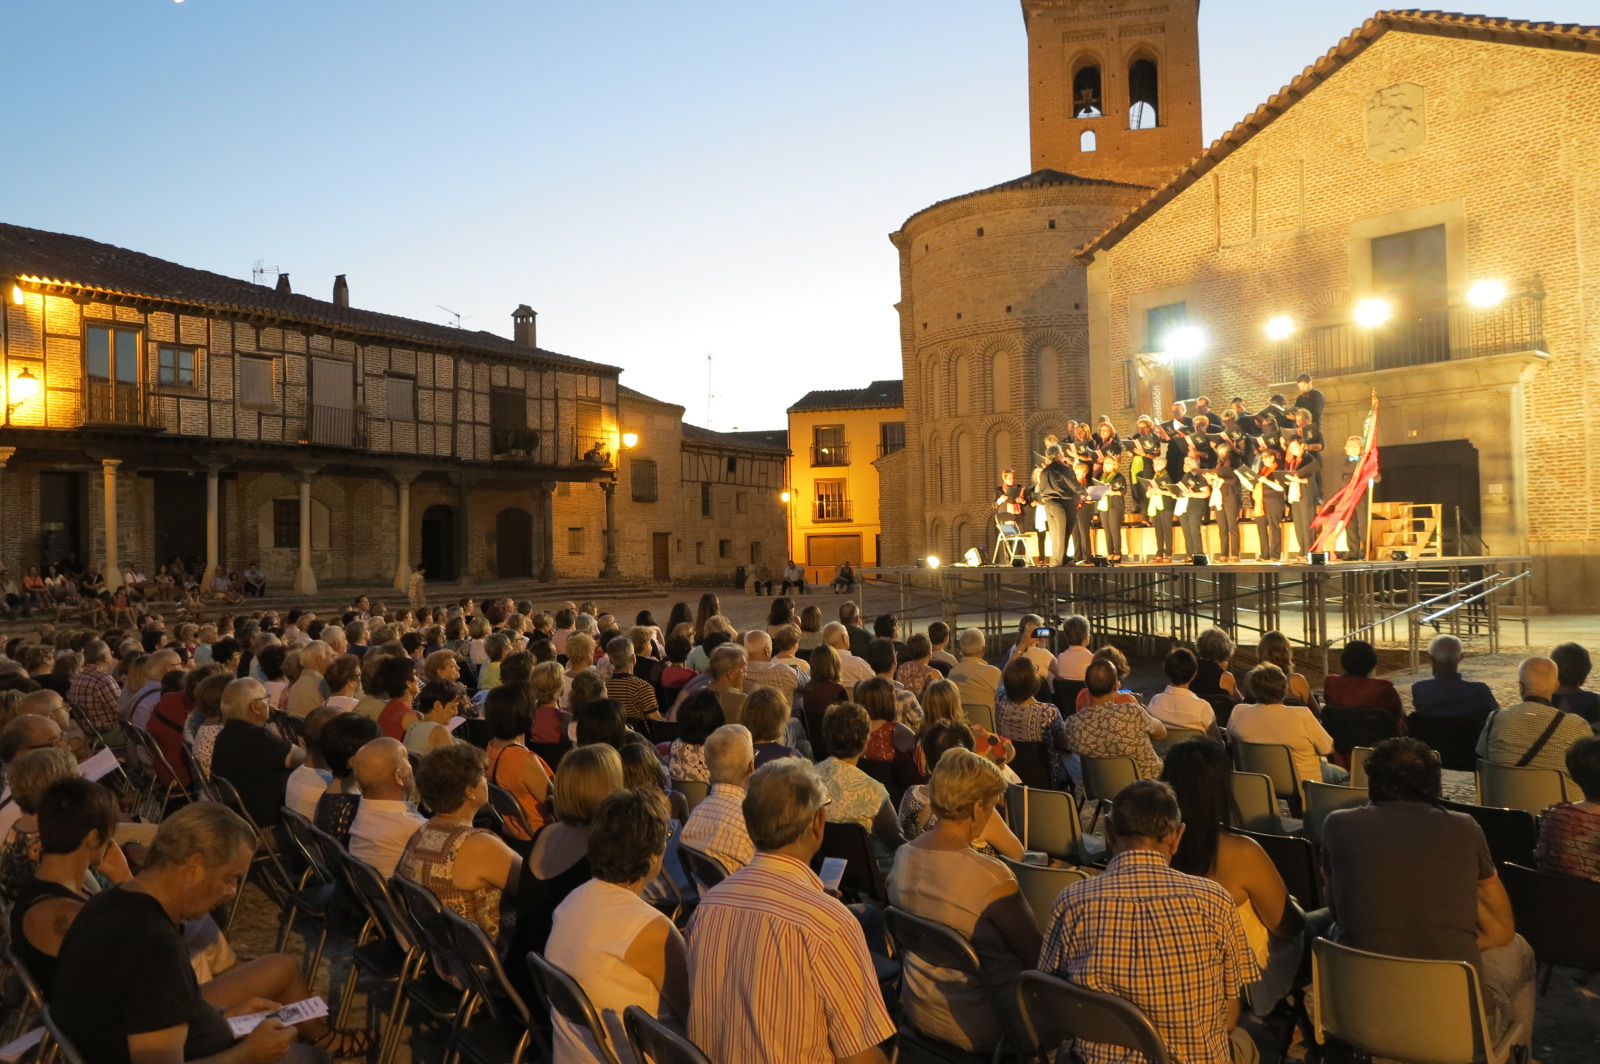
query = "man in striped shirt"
{"x": 636, "y": 696}
{"x": 778, "y": 970}
{"x": 716, "y": 826}
{"x": 1533, "y": 733}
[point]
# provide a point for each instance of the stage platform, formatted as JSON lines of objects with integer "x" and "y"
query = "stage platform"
{"x": 1395, "y": 603}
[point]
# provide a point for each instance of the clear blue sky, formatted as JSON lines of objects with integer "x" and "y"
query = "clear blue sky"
{"x": 658, "y": 180}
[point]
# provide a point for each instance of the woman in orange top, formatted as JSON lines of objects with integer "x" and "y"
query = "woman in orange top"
{"x": 509, "y": 711}
{"x": 941, "y": 700}
{"x": 396, "y": 679}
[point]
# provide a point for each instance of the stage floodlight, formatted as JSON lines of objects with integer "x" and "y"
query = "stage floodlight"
{"x": 1280, "y": 328}
{"x": 1371, "y": 313}
{"x": 1486, "y": 294}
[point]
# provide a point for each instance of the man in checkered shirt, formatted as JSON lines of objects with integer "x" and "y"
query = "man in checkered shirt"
{"x": 1170, "y": 943}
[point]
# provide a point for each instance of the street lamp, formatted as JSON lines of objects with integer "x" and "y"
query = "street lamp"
{"x": 630, "y": 439}
{"x": 1184, "y": 342}
{"x": 1486, "y": 294}
{"x": 24, "y": 388}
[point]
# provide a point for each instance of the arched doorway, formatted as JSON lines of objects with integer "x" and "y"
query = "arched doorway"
{"x": 439, "y": 542}
{"x": 513, "y": 536}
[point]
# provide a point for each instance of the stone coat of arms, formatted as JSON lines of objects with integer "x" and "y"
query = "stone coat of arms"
{"x": 1396, "y": 122}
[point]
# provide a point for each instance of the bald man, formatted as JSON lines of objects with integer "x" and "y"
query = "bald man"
{"x": 1533, "y": 733}
{"x": 143, "y": 702}
{"x": 385, "y": 819}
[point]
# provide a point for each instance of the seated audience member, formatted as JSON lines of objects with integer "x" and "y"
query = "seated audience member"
{"x": 395, "y": 679}
{"x": 941, "y": 700}
{"x": 28, "y": 777}
{"x": 256, "y": 761}
{"x": 76, "y": 820}
{"x": 1272, "y": 723}
{"x": 385, "y": 819}
{"x": 344, "y": 682}
{"x": 941, "y": 877}
{"x": 1448, "y": 693}
{"x": 598, "y": 720}
{"x": 786, "y": 652}
{"x": 1410, "y": 879}
{"x": 1532, "y": 733}
{"x": 308, "y": 783}
{"x": 467, "y": 868}
{"x": 438, "y": 703}
{"x": 938, "y": 736}
{"x": 618, "y": 947}
{"x": 1119, "y": 662}
{"x": 546, "y": 681}
{"x": 881, "y": 656}
{"x": 205, "y": 723}
{"x": 889, "y": 741}
{"x": 558, "y": 863}
{"x": 310, "y": 688}
{"x": 766, "y": 715}
{"x": 1071, "y": 662}
{"x": 857, "y": 797}
{"x": 1572, "y": 669}
{"x": 636, "y": 696}
{"x": 1569, "y": 833}
{"x": 143, "y": 700}
{"x": 727, "y": 670}
{"x": 1201, "y": 776}
{"x": 824, "y": 688}
{"x": 1187, "y": 979}
{"x": 917, "y": 671}
{"x": 1213, "y": 651}
{"x": 1109, "y": 728}
{"x": 1179, "y": 706}
{"x": 1031, "y": 645}
{"x": 810, "y": 630}
{"x": 1274, "y": 649}
{"x": 1357, "y": 686}
{"x": 716, "y": 826}
{"x": 763, "y": 670}
{"x": 699, "y": 716}
{"x": 977, "y": 680}
{"x": 508, "y": 710}
{"x": 126, "y": 989}
{"x": 342, "y": 737}
{"x": 778, "y": 970}
{"x": 853, "y": 668}
{"x": 1022, "y": 718}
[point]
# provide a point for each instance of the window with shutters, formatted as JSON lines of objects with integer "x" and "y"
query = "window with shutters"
{"x": 642, "y": 477}
{"x": 256, "y": 386}
{"x": 508, "y": 423}
{"x": 286, "y": 524}
{"x": 401, "y": 398}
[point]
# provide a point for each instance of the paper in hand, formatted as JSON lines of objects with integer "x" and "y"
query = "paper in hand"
{"x": 17, "y": 1048}
{"x": 832, "y": 872}
{"x": 455, "y": 722}
{"x": 289, "y": 1015}
{"x": 99, "y": 765}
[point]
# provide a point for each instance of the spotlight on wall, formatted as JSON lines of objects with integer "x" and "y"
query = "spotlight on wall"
{"x": 933, "y": 561}
{"x": 785, "y": 496}
{"x": 1371, "y": 313}
{"x": 1184, "y": 342}
{"x": 24, "y": 387}
{"x": 1280, "y": 328}
{"x": 630, "y": 439}
{"x": 1486, "y": 293}
{"x": 16, "y": 294}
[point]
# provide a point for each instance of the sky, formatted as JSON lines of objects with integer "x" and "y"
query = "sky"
{"x": 662, "y": 182}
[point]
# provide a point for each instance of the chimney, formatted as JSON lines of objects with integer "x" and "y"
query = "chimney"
{"x": 341, "y": 291}
{"x": 525, "y": 326}
{"x": 283, "y": 284}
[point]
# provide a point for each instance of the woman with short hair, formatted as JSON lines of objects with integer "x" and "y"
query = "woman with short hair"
{"x": 1270, "y": 722}
{"x": 1213, "y": 650}
{"x": 508, "y": 710}
{"x": 917, "y": 671}
{"x": 546, "y": 681}
{"x": 699, "y": 716}
{"x": 824, "y": 688}
{"x": 766, "y": 714}
{"x": 439, "y": 702}
{"x": 1355, "y": 686}
{"x": 1274, "y": 649}
{"x": 810, "y": 629}
{"x": 1022, "y": 718}
{"x": 29, "y": 777}
{"x": 857, "y": 797}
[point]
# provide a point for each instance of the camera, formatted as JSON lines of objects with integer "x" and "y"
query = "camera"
{"x": 1043, "y": 633}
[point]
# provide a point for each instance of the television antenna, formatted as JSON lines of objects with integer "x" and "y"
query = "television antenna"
{"x": 259, "y": 272}
{"x": 454, "y": 314}
{"x": 708, "y": 389}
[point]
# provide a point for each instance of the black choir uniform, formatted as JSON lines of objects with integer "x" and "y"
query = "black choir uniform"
{"x": 1229, "y": 496}
{"x": 1194, "y": 513}
{"x": 1146, "y": 446}
{"x": 1112, "y": 506}
{"x": 1017, "y": 506}
{"x": 1083, "y": 522}
{"x": 1203, "y": 446}
{"x": 1314, "y": 444}
{"x": 1176, "y": 447}
{"x": 1277, "y": 414}
{"x": 1269, "y": 514}
{"x": 1242, "y": 442}
{"x": 1247, "y": 422}
{"x": 1058, "y": 494}
{"x": 1309, "y": 496}
{"x": 1355, "y": 532}
{"x": 1313, "y": 401}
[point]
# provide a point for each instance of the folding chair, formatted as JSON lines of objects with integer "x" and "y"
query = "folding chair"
{"x": 1325, "y": 798}
{"x": 661, "y": 731}
{"x": 1054, "y": 1010}
{"x": 1048, "y": 821}
{"x": 1544, "y": 905}
{"x": 502, "y": 1036}
{"x": 1276, "y": 763}
{"x": 654, "y": 1042}
{"x": 512, "y": 814}
{"x": 694, "y": 791}
{"x": 386, "y": 949}
{"x": 266, "y": 870}
{"x": 981, "y": 714}
{"x": 1176, "y": 735}
{"x": 1011, "y": 543}
{"x": 1032, "y": 763}
{"x": 1258, "y": 806}
{"x": 706, "y": 870}
{"x": 1295, "y": 858}
{"x": 443, "y": 993}
{"x": 31, "y": 1005}
{"x": 1353, "y": 726}
{"x": 1512, "y": 834}
{"x": 1104, "y": 778}
{"x": 1453, "y": 738}
{"x": 68, "y": 1052}
{"x": 942, "y": 947}
{"x": 1423, "y": 1012}
{"x": 1532, "y": 789}
{"x": 164, "y": 779}
{"x": 1041, "y": 885}
{"x": 862, "y": 874}
{"x": 1358, "y": 766}
{"x": 567, "y": 1000}
{"x": 312, "y": 896}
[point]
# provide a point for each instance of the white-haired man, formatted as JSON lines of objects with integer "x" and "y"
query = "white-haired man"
{"x": 310, "y": 690}
{"x": 852, "y": 669}
{"x": 978, "y": 680}
{"x": 716, "y": 826}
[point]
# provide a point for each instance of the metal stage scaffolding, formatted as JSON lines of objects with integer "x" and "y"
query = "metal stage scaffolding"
{"x": 1154, "y": 606}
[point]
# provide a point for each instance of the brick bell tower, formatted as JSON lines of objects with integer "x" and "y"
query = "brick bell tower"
{"x": 1114, "y": 87}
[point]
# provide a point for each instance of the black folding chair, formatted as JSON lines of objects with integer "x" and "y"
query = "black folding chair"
{"x": 1353, "y": 726}
{"x": 654, "y": 1042}
{"x": 443, "y": 992}
{"x": 1512, "y": 834}
{"x": 1065, "y": 695}
{"x": 1054, "y": 1010}
{"x": 501, "y": 1036}
{"x": 551, "y": 752}
{"x": 942, "y": 947}
{"x": 1032, "y": 764}
{"x": 661, "y": 731}
{"x": 862, "y": 874}
{"x": 1544, "y": 905}
{"x": 513, "y": 816}
{"x": 266, "y": 869}
{"x": 1453, "y": 738}
{"x": 387, "y": 949}
{"x": 312, "y": 896}
{"x": 69, "y": 1052}
{"x": 706, "y": 870}
{"x": 1295, "y": 858}
{"x": 566, "y": 999}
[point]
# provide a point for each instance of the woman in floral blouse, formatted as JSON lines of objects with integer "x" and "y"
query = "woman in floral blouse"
{"x": 917, "y": 671}
{"x": 1022, "y": 718}
{"x": 1107, "y": 728}
{"x": 855, "y": 797}
{"x": 1569, "y": 833}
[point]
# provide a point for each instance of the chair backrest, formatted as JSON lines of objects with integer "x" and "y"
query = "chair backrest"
{"x": 862, "y": 875}
{"x": 1511, "y": 834}
{"x": 654, "y": 1042}
{"x": 1103, "y": 777}
{"x": 1509, "y": 787}
{"x": 1454, "y": 738}
{"x": 1544, "y": 905}
{"x": 1046, "y": 821}
{"x": 1271, "y": 760}
{"x": 882, "y": 771}
{"x": 373, "y": 893}
{"x": 476, "y": 958}
{"x": 979, "y": 713}
{"x": 427, "y": 920}
{"x": 938, "y": 945}
{"x": 299, "y": 831}
{"x": 1295, "y": 858}
{"x": 1176, "y": 735}
{"x": 551, "y": 752}
{"x": 1325, "y": 798}
{"x": 1353, "y": 726}
{"x": 69, "y": 1052}
{"x": 567, "y": 1000}
{"x": 1424, "y": 1012}
{"x": 661, "y": 731}
{"x": 1041, "y": 885}
{"x": 1358, "y": 766}
{"x": 1031, "y": 763}
{"x": 1054, "y": 1010}
{"x": 1065, "y": 695}
{"x": 707, "y": 870}
{"x": 1258, "y": 807}
{"x": 694, "y": 791}
{"x": 475, "y": 730}
{"x": 505, "y": 803}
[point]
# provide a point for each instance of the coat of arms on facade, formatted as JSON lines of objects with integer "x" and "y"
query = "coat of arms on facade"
{"x": 1396, "y": 126}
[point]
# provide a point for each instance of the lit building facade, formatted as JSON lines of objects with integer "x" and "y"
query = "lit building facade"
{"x": 837, "y": 437}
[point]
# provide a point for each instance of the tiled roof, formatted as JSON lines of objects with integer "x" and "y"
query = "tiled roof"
{"x": 876, "y": 396}
{"x": 1037, "y": 179}
{"x": 1569, "y": 37}
{"x": 775, "y": 440}
{"x": 625, "y": 392}
{"x": 77, "y": 262}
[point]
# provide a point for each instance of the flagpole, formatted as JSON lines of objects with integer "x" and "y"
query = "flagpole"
{"x": 1366, "y": 554}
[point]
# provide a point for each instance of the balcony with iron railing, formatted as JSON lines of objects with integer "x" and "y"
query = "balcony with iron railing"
{"x": 831, "y": 454}
{"x": 831, "y": 510}
{"x": 890, "y": 448}
{"x": 1515, "y": 324}
{"x": 335, "y": 426}
{"x": 512, "y": 443}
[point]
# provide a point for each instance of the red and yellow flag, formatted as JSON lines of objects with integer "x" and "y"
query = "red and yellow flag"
{"x": 1335, "y": 514}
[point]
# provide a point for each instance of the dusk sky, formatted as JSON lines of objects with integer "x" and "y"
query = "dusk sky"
{"x": 660, "y": 181}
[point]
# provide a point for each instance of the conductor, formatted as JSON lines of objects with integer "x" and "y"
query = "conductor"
{"x": 1059, "y": 493}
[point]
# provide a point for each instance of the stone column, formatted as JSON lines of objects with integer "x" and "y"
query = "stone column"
{"x": 213, "y": 540}
{"x": 463, "y": 530}
{"x": 402, "y": 564}
{"x": 305, "y": 578}
{"x": 112, "y": 568}
{"x": 6, "y": 454}
{"x": 547, "y": 531}
{"x": 609, "y": 572}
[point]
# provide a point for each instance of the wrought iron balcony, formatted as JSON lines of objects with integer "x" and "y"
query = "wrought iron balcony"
{"x": 1445, "y": 335}
{"x": 831, "y": 510}
{"x": 335, "y": 426}
{"x": 514, "y": 443}
{"x": 833, "y": 454}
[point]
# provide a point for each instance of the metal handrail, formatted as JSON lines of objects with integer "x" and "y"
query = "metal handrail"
{"x": 1391, "y": 618}
{"x": 1508, "y": 581}
{"x": 1500, "y": 584}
